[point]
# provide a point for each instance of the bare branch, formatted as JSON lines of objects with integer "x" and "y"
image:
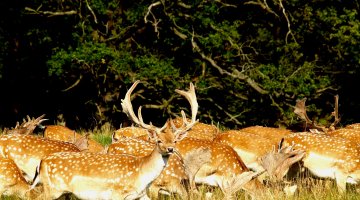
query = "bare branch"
{"x": 288, "y": 23}
{"x": 235, "y": 74}
{"x": 51, "y": 13}
{"x": 232, "y": 118}
{"x": 226, "y": 4}
{"x": 182, "y": 4}
{"x": 155, "y": 22}
{"x": 73, "y": 85}
{"x": 92, "y": 12}
{"x": 263, "y": 5}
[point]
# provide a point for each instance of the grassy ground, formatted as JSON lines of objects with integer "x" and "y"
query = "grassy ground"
{"x": 308, "y": 190}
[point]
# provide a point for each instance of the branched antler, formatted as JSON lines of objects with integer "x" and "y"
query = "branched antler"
{"x": 300, "y": 110}
{"x": 27, "y": 127}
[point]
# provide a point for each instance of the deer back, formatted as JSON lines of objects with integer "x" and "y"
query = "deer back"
{"x": 130, "y": 131}
{"x": 199, "y": 130}
{"x": 27, "y": 150}
{"x": 353, "y": 126}
{"x": 63, "y": 133}
{"x": 352, "y": 134}
{"x": 271, "y": 133}
{"x": 132, "y": 146}
{"x": 259, "y": 153}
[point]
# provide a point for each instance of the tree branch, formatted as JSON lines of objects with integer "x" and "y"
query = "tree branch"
{"x": 235, "y": 74}
{"x": 288, "y": 23}
{"x": 51, "y": 13}
{"x": 263, "y": 5}
{"x": 92, "y": 12}
{"x": 155, "y": 22}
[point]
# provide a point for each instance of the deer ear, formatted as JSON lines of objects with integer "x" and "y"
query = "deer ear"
{"x": 152, "y": 135}
{"x": 180, "y": 136}
{"x": 113, "y": 139}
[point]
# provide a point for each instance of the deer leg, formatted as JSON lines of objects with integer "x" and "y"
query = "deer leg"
{"x": 182, "y": 191}
{"x": 154, "y": 191}
{"x": 341, "y": 182}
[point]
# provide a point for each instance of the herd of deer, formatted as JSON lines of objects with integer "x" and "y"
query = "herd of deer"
{"x": 146, "y": 160}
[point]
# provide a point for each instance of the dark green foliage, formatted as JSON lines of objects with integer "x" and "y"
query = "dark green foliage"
{"x": 250, "y": 61}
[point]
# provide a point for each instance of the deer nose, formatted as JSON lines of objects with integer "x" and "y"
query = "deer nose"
{"x": 170, "y": 149}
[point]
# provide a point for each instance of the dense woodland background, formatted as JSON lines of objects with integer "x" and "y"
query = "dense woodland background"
{"x": 250, "y": 60}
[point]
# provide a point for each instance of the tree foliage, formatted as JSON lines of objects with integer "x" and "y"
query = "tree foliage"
{"x": 250, "y": 60}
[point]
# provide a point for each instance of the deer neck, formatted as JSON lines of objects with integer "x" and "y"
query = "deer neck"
{"x": 152, "y": 166}
{"x": 155, "y": 161}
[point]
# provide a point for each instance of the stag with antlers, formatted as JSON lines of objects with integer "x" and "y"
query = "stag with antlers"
{"x": 110, "y": 176}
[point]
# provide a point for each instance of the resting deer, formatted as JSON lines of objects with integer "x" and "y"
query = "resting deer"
{"x": 175, "y": 176}
{"x": 63, "y": 133}
{"x": 11, "y": 180}
{"x": 225, "y": 169}
{"x": 328, "y": 157}
{"x": 270, "y": 133}
{"x": 110, "y": 176}
{"x": 258, "y": 153}
{"x": 27, "y": 150}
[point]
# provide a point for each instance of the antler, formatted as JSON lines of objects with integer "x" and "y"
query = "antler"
{"x": 278, "y": 161}
{"x": 335, "y": 113}
{"x": 128, "y": 109}
{"x": 300, "y": 110}
{"x": 191, "y": 97}
{"x": 28, "y": 126}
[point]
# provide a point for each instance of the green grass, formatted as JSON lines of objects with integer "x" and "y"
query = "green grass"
{"x": 102, "y": 135}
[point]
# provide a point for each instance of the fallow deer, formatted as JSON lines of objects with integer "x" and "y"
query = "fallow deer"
{"x": 258, "y": 153}
{"x": 110, "y": 176}
{"x": 328, "y": 157}
{"x": 175, "y": 176}
{"x": 63, "y": 133}
{"x": 27, "y": 150}
{"x": 224, "y": 169}
{"x": 11, "y": 180}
